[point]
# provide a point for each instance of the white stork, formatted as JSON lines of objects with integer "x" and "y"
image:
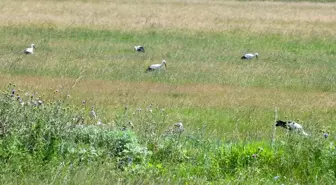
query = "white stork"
{"x": 30, "y": 50}
{"x": 249, "y": 56}
{"x": 179, "y": 127}
{"x": 291, "y": 125}
{"x": 157, "y": 66}
{"x": 139, "y": 49}
{"x": 93, "y": 114}
{"x": 176, "y": 129}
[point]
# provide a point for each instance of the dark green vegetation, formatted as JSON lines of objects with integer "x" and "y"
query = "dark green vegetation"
{"x": 48, "y": 144}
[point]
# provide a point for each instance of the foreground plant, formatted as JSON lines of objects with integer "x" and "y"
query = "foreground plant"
{"x": 53, "y": 142}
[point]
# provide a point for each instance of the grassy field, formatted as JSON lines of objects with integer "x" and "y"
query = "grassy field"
{"x": 85, "y": 50}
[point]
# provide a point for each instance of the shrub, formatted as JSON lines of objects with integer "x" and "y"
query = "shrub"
{"x": 49, "y": 132}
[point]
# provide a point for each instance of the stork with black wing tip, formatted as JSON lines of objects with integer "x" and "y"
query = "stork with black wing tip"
{"x": 249, "y": 56}
{"x": 157, "y": 66}
{"x": 29, "y": 50}
{"x": 139, "y": 49}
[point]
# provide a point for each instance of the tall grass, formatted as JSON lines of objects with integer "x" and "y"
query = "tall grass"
{"x": 285, "y": 62}
{"x": 211, "y": 16}
{"x": 85, "y": 54}
{"x": 206, "y": 82}
{"x": 56, "y": 143}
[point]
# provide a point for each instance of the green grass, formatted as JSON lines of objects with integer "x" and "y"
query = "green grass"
{"x": 48, "y": 144}
{"x": 226, "y": 104}
{"x": 304, "y": 64}
{"x": 295, "y": 65}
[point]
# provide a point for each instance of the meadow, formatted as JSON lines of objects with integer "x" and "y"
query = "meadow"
{"x": 227, "y": 105}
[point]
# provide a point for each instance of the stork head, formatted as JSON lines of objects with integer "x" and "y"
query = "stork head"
{"x": 256, "y": 55}
{"x": 179, "y": 125}
{"x": 33, "y": 46}
{"x": 165, "y": 63}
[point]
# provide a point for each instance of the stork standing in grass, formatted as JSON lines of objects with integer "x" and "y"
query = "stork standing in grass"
{"x": 93, "y": 114}
{"x": 179, "y": 127}
{"x": 249, "y": 56}
{"x": 176, "y": 129}
{"x": 157, "y": 66}
{"x": 30, "y": 50}
{"x": 291, "y": 125}
{"x": 139, "y": 49}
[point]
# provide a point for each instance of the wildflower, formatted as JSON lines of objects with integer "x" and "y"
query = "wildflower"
{"x": 13, "y": 91}
{"x": 22, "y": 102}
{"x": 276, "y": 177}
{"x": 254, "y": 155}
{"x": 83, "y": 102}
{"x": 325, "y": 135}
{"x": 129, "y": 160}
{"x": 123, "y": 128}
{"x": 27, "y": 94}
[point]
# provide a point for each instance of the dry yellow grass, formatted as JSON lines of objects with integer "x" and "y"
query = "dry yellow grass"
{"x": 188, "y": 16}
{"x": 117, "y": 93}
{"x": 285, "y": 18}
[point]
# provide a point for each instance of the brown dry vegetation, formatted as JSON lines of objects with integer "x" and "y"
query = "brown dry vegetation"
{"x": 199, "y": 95}
{"x": 286, "y": 18}
{"x": 305, "y": 19}
{"x": 227, "y": 105}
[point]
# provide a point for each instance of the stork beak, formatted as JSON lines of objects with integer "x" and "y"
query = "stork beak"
{"x": 165, "y": 65}
{"x": 257, "y": 56}
{"x": 34, "y": 47}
